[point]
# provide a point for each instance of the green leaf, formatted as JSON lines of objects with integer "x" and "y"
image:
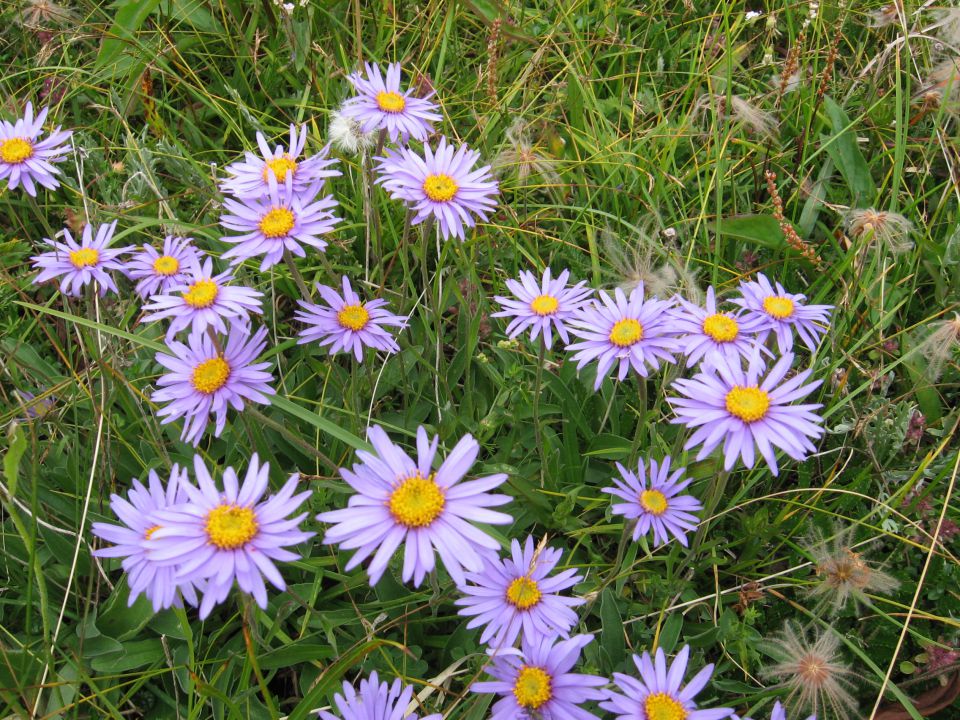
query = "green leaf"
{"x": 763, "y": 230}
{"x": 11, "y": 458}
{"x": 611, "y": 635}
{"x": 130, "y": 16}
{"x": 319, "y": 422}
{"x": 845, "y": 152}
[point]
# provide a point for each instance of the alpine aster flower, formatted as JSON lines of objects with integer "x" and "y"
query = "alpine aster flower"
{"x": 375, "y": 701}
{"x": 78, "y": 264}
{"x": 543, "y": 306}
{"x": 782, "y": 313}
{"x": 203, "y": 380}
{"x": 399, "y": 500}
{"x": 778, "y": 713}
{"x": 347, "y": 323}
{"x": 228, "y": 534}
{"x": 536, "y": 683}
{"x": 517, "y": 593}
{"x": 441, "y": 184}
{"x": 655, "y": 502}
{"x": 281, "y": 220}
{"x": 657, "y": 695}
{"x": 203, "y": 300}
{"x": 250, "y": 178}
{"x": 159, "y": 272}
{"x": 705, "y": 332}
{"x": 630, "y": 331}
{"x": 27, "y": 160}
{"x": 380, "y": 104}
{"x": 746, "y": 411}
{"x": 131, "y": 539}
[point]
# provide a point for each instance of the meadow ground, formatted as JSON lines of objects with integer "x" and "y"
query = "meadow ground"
{"x": 681, "y": 144}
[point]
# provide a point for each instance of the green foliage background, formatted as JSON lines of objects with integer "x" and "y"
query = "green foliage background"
{"x": 161, "y": 94}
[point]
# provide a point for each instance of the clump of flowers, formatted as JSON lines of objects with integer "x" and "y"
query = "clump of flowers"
{"x": 517, "y": 594}
{"x": 811, "y": 670}
{"x": 26, "y": 160}
{"x": 654, "y": 501}
{"x": 402, "y": 501}
{"x": 79, "y": 264}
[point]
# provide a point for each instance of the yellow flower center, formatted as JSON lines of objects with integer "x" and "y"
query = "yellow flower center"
{"x": 440, "y": 187}
{"x": 721, "y": 328}
{"x": 230, "y": 526}
{"x": 626, "y": 332}
{"x": 533, "y": 687}
{"x": 523, "y": 593}
{"x": 391, "y": 102}
{"x": 778, "y": 307}
{"x": 84, "y": 257}
{"x": 416, "y": 502}
{"x": 654, "y": 502}
{"x": 353, "y": 317}
{"x": 277, "y": 223}
{"x": 748, "y": 403}
{"x": 201, "y": 294}
{"x": 150, "y": 531}
{"x": 210, "y": 375}
{"x": 544, "y": 305}
{"x": 661, "y": 706}
{"x": 16, "y": 150}
{"x": 166, "y": 265}
{"x": 280, "y": 167}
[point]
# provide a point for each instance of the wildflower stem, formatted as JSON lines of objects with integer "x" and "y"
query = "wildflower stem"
{"x": 297, "y": 277}
{"x": 714, "y": 494}
{"x": 537, "y": 388}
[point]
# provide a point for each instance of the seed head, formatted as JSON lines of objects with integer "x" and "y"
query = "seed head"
{"x": 938, "y": 346}
{"x": 810, "y": 668}
{"x": 889, "y": 230}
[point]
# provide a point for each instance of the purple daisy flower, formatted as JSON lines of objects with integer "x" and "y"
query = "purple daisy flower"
{"x": 205, "y": 379}
{"x": 160, "y": 271}
{"x": 441, "y": 184}
{"x": 746, "y": 411}
{"x": 657, "y": 694}
{"x": 399, "y": 500}
{"x": 138, "y": 515}
{"x": 375, "y": 701}
{"x": 542, "y": 306}
{"x": 778, "y": 713}
{"x": 281, "y": 220}
{"x": 347, "y": 322}
{"x": 705, "y": 332}
{"x": 380, "y": 104}
{"x": 27, "y": 160}
{"x": 536, "y": 683}
{"x": 655, "y": 502}
{"x": 629, "y": 330}
{"x": 515, "y": 594}
{"x": 250, "y": 177}
{"x": 203, "y": 300}
{"x": 231, "y": 534}
{"x": 780, "y": 312}
{"x": 78, "y": 264}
